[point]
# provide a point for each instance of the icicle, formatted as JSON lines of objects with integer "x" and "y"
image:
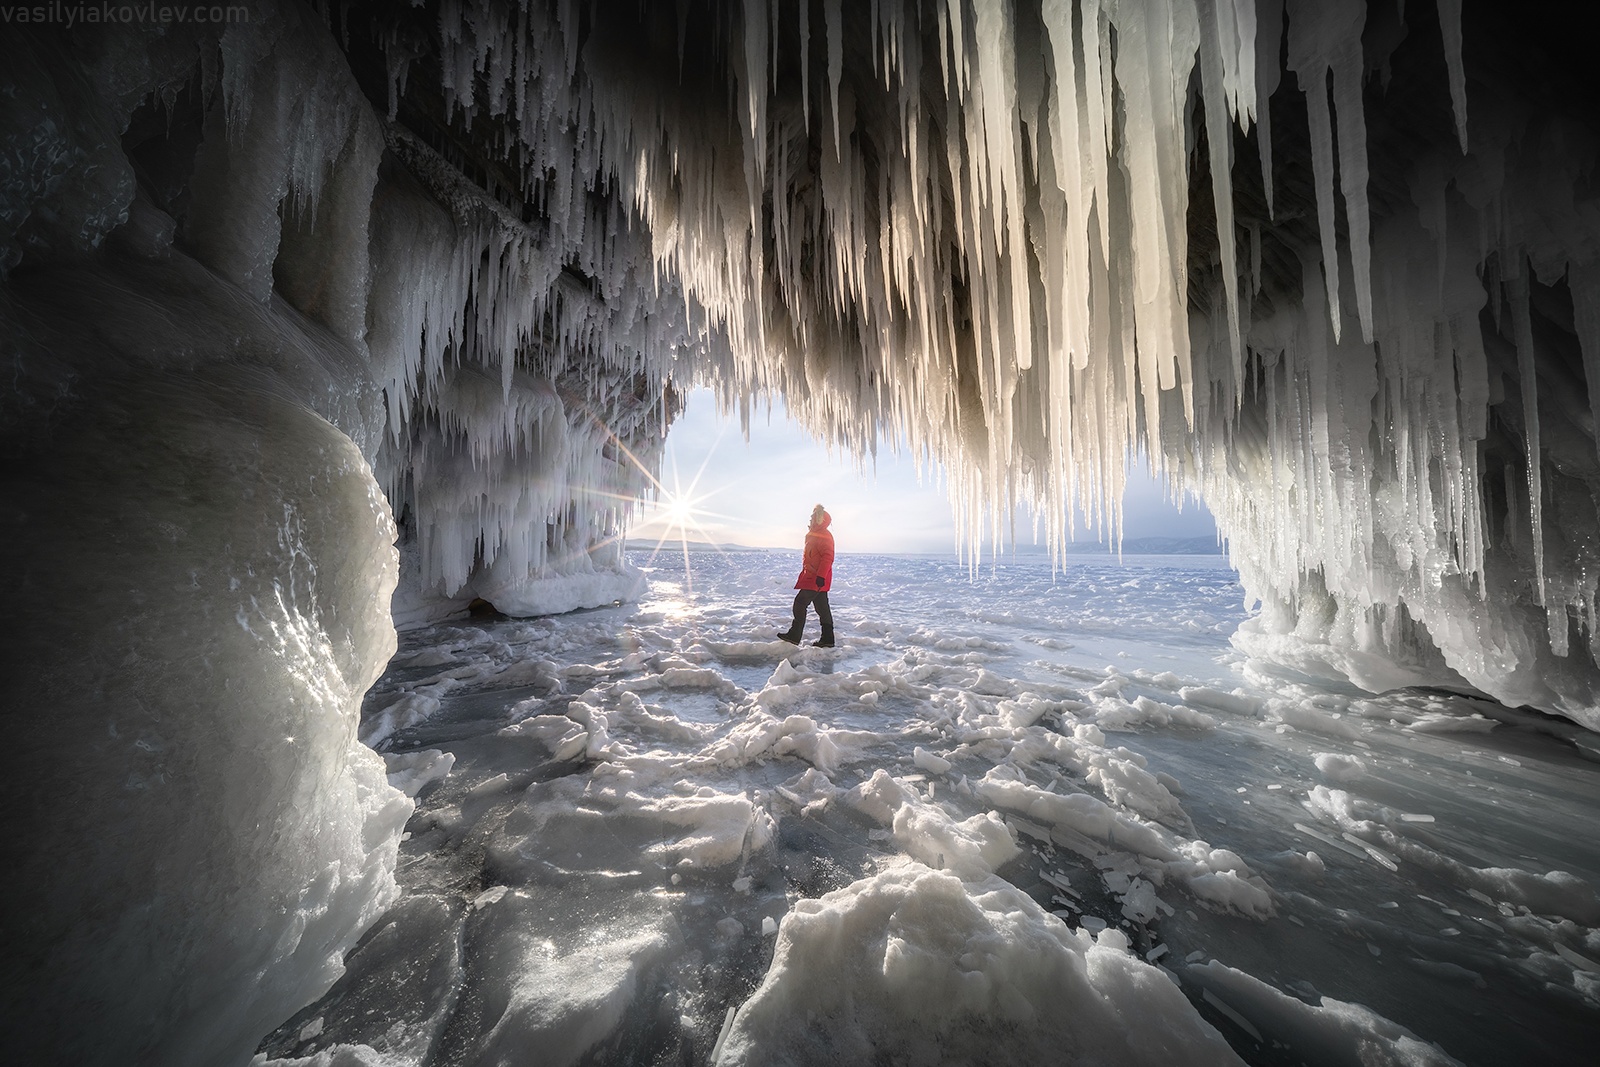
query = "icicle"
{"x": 1238, "y": 34}
{"x": 1521, "y": 324}
{"x": 834, "y": 22}
{"x": 998, "y": 85}
{"x": 1311, "y": 31}
{"x": 1269, "y": 44}
{"x": 1149, "y": 73}
{"x": 1347, "y": 67}
{"x": 988, "y": 253}
{"x": 1450, "y": 25}
{"x": 1584, "y": 283}
{"x": 1219, "y": 137}
{"x": 804, "y": 9}
{"x": 1093, "y": 130}
{"x": 755, "y": 88}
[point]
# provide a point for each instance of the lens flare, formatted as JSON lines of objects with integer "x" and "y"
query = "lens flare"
{"x": 680, "y": 509}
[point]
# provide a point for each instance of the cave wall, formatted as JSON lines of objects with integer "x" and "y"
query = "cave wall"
{"x": 1407, "y": 486}
{"x": 278, "y": 377}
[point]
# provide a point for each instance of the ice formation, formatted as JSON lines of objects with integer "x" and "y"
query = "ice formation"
{"x": 973, "y": 966}
{"x": 490, "y": 244}
{"x": 970, "y": 226}
{"x": 923, "y": 844}
{"x": 917, "y": 227}
{"x": 205, "y": 836}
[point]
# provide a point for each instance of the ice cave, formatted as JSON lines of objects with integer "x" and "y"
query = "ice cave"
{"x": 342, "y": 338}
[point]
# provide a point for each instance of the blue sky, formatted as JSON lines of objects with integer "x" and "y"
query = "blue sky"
{"x": 760, "y": 493}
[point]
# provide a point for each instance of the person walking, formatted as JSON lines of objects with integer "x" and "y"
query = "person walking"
{"x": 816, "y": 578}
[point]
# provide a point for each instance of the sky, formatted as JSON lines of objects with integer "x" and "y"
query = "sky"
{"x": 760, "y": 493}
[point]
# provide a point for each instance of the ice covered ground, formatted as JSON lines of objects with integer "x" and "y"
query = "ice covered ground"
{"x": 1009, "y": 819}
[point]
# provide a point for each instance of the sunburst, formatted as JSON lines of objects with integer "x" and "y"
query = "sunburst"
{"x": 681, "y": 507}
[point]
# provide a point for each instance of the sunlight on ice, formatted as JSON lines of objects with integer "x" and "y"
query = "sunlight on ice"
{"x": 1008, "y": 852}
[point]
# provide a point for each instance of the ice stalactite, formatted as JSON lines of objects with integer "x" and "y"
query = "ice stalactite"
{"x": 987, "y": 246}
{"x": 1013, "y": 157}
{"x": 537, "y": 479}
{"x": 1269, "y": 42}
{"x": 1450, "y": 27}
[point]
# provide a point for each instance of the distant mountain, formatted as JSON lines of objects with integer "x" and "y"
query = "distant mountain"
{"x": 1133, "y": 546}
{"x": 1153, "y": 546}
{"x": 672, "y": 544}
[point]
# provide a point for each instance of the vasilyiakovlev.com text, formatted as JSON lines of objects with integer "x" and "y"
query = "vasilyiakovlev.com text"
{"x": 70, "y": 15}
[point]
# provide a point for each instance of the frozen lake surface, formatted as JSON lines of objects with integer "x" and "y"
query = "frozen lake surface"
{"x": 1010, "y": 819}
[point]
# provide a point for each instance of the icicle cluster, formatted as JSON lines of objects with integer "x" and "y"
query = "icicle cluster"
{"x": 522, "y": 368}
{"x": 524, "y": 375}
{"x": 1379, "y": 495}
{"x": 968, "y": 224}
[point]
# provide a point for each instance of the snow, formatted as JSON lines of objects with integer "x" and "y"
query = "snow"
{"x": 919, "y": 962}
{"x": 929, "y": 762}
{"x": 972, "y": 860}
{"x": 412, "y": 772}
{"x": 1340, "y": 768}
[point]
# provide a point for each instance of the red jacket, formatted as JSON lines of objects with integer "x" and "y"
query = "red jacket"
{"x": 816, "y": 566}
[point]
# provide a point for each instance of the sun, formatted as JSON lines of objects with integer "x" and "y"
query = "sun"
{"x": 680, "y": 510}
{"x": 682, "y": 516}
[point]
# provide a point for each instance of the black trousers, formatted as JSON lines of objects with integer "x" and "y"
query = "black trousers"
{"x": 805, "y": 598}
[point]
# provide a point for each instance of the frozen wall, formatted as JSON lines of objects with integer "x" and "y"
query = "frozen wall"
{"x": 249, "y": 325}
{"x": 198, "y": 567}
{"x": 196, "y": 602}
